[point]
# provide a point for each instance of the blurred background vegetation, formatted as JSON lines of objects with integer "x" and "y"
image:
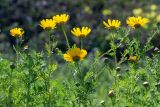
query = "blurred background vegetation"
{"x": 28, "y": 13}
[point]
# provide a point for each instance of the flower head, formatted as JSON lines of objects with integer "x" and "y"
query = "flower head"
{"x": 61, "y": 18}
{"x": 17, "y": 32}
{"x": 75, "y": 54}
{"x": 136, "y": 22}
{"x": 48, "y": 24}
{"x": 81, "y": 32}
{"x": 132, "y": 58}
{"x": 112, "y": 24}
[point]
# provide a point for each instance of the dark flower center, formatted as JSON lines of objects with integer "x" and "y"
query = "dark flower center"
{"x": 76, "y": 58}
{"x": 137, "y": 25}
{"x": 112, "y": 27}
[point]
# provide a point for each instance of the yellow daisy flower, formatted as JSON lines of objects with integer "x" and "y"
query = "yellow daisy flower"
{"x": 132, "y": 58}
{"x": 75, "y": 54}
{"x": 48, "y": 24}
{"x": 112, "y": 24}
{"x": 136, "y": 22}
{"x": 17, "y": 32}
{"x": 61, "y": 18}
{"x": 81, "y": 32}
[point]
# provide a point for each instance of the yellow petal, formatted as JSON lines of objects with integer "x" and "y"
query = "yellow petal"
{"x": 67, "y": 58}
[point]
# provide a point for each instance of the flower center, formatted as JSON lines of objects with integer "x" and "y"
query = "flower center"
{"x": 82, "y": 36}
{"x": 76, "y": 58}
{"x": 137, "y": 25}
{"x": 112, "y": 27}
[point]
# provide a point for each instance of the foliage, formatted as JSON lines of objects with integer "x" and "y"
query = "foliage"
{"x": 127, "y": 74}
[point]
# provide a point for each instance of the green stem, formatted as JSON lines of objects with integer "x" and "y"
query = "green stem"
{"x": 9, "y": 102}
{"x": 116, "y": 79}
{"x": 79, "y": 73}
{"x": 80, "y": 76}
{"x": 28, "y": 95}
{"x": 105, "y": 54}
{"x": 17, "y": 49}
{"x": 49, "y": 44}
{"x": 132, "y": 82}
{"x": 79, "y": 80}
{"x": 49, "y": 70}
{"x": 28, "y": 90}
{"x": 81, "y": 43}
{"x": 138, "y": 35}
{"x": 65, "y": 35}
{"x": 115, "y": 58}
{"x": 116, "y": 65}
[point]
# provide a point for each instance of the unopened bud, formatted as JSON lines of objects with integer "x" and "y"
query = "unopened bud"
{"x": 12, "y": 66}
{"x": 102, "y": 102}
{"x": 25, "y": 48}
{"x": 118, "y": 69}
{"x": 133, "y": 58}
{"x": 119, "y": 75}
{"x": 111, "y": 93}
{"x": 145, "y": 83}
{"x": 158, "y": 84}
{"x": 156, "y": 49}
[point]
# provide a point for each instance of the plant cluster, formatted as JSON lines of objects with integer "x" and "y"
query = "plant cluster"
{"x": 90, "y": 79}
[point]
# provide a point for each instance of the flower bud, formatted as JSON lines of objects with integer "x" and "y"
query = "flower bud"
{"x": 156, "y": 49}
{"x": 102, "y": 102}
{"x": 133, "y": 58}
{"x": 158, "y": 84}
{"x": 111, "y": 93}
{"x": 145, "y": 84}
{"x": 119, "y": 75}
{"x": 12, "y": 66}
{"x": 25, "y": 49}
{"x": 118, "y": 69}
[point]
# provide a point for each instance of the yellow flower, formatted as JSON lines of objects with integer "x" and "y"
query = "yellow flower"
{"x": 136, "y": 22}
{"x": 61, "y": 18}
{"x": 112, "y": 24}
{"x": 17, "y": 32}
{"x": 48, "y": 24}
{"x": 133, "y": 58}
{"x": 81, "y": 32}
{"x": 75, "y": 54}
{"x": 137, "y": 11}
{"x": 153, "y": 7}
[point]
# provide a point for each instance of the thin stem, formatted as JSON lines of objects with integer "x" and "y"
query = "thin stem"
{"x": 115, "y": 58}
{"x": 17, "y": 49}
{"x": 9, "y": 102}
{"x": 65, "y": 35}
{"x": 49, "y": 70}
{"x": 132, "y": 72}
{"x": 79, "y": 80}
{"x": 105, "y": 53}
{"x": 116, "y": 79}
{"x": 49, "y": 44}
{"x": 79, "y": 73}
{"x": 138, "y": 35}
{"x": 81, "y": 43}
{"x": 116, "y": 65}
{"x": 28, "y": 89}
{"x": 28, "y": 94}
